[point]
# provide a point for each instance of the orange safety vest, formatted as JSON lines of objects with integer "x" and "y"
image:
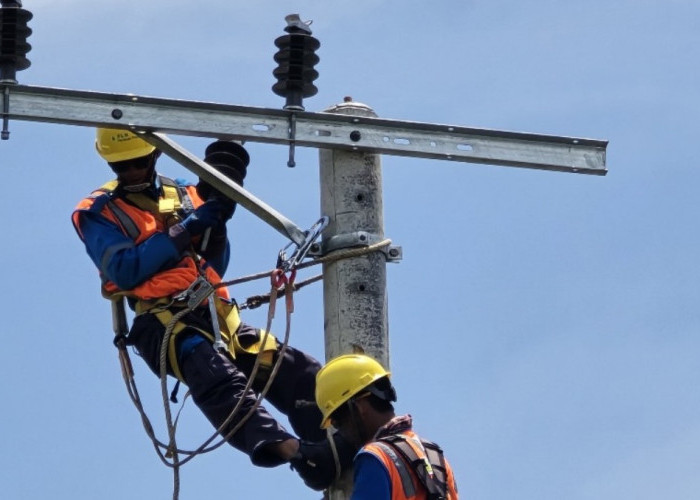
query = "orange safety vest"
{"x": 140, "y": 217}
{"x": 403, "y": 466}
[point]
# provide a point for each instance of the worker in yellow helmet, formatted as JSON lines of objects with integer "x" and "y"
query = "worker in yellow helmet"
{"x": 355, "y": 395}
{"x": 146, "y": 235}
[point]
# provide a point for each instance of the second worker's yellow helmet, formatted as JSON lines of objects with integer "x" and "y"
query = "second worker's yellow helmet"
{"x": 342, "y": 378}
{"x": 115, "y": 145}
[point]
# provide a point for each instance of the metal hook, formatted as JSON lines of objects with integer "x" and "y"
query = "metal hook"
{"x": 289, "y": 263}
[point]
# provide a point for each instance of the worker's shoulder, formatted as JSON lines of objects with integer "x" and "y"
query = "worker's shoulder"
{"x": 101, "y": 192}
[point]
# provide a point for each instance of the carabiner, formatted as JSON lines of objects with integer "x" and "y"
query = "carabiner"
{"x": 310, "y": 236}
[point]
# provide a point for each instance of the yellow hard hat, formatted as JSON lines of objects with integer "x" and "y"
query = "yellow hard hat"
{"x": 342, "y": 378}
{"x": 116, "y": 145}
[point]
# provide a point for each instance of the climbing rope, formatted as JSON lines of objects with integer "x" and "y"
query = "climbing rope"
{"x": 169, "y": 453}
{"x": 173, "y": 451}
{"x": 255, "y": 301}
{"x": 345, "y": 253}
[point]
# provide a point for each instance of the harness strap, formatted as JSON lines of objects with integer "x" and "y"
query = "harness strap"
{"x": 170, "y": 202}
{"x": 406, "y": 481}
{"x": 175, "y": 198}
{"x": 184, "y": 197}
{"x": 165, "y": 316}
{"x": 125, "y": 221}
{"x": 229, "y": 322}
{"x": 430, "y": 469}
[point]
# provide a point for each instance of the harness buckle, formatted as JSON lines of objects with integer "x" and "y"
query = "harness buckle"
{"x": 198, "y": 292}
{"x": 195, "y": 294}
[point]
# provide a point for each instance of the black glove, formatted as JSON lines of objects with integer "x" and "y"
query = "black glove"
{"x": 229, "y": 158}
{"x": 208, "y": 215}
{"x": 228, "y": 206}
{"x": 315, "y": 463}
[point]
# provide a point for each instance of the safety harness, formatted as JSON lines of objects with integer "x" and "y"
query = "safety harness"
{"x": 429, "y": 469}
{"x": 174, "y": 198}
{"x": 176, "y": 201}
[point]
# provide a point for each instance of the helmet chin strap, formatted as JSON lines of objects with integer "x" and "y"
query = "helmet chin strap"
{"x": 359, "y": 427}
{"x": 137, "y": 188}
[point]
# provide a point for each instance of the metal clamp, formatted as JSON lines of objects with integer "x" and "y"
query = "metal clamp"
{"x": 353, "y": 240}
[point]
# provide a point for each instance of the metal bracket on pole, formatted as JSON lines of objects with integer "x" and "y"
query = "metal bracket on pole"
{"x": 354, "y": 240}
{"x": 319, "y": 130}
{"x": 225, "y": 185}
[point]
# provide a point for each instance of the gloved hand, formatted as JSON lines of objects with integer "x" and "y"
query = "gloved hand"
{"x": 316, "y": 465}
{"x": 228, "y": 206}
{"x": 207, "y": 215}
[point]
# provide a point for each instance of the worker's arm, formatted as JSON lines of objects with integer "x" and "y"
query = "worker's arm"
{"x": 118, "y": 257}
{"x": 371, "y": 480}
{"x": 217, "y": 251}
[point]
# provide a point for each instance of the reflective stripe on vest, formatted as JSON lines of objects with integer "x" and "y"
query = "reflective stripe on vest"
{"x": 409, "y": 489}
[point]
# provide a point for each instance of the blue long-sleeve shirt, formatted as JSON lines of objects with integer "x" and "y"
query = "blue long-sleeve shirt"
{"x": 371, "y": 479}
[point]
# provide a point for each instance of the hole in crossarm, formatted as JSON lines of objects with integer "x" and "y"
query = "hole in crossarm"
{"x": 402, "y": 141}
{"x": 465, "y": 147}
{"x": 261, "y": 127}
{"x": 323, "y": 133}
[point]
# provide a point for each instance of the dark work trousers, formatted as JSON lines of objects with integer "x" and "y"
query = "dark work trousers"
{"x": 217, "y": 381}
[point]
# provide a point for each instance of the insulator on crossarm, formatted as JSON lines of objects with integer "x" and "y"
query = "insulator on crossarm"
{"x": 296, "y": 58}
{"x": 13, "y": 39}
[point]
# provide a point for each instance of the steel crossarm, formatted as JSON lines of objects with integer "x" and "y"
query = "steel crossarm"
{"x": 225, "y": 185}
{"x": 319, "y": 130}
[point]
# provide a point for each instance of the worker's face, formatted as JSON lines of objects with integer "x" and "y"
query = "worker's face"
{"x": 134, "y": 176}
{"x": 353, "y": 426}
{"x": 134, "y": 172}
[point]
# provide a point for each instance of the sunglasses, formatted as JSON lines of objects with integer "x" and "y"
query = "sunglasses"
{"x": 137, "y": 163}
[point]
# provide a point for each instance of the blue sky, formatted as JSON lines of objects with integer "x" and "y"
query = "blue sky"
{"x": 544, "y": 326}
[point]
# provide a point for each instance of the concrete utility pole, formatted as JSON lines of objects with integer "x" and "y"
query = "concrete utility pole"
{"x": 354, "y": 289}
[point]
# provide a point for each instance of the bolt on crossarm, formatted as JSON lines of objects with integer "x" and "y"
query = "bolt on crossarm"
{"x": 354, "y": 289}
